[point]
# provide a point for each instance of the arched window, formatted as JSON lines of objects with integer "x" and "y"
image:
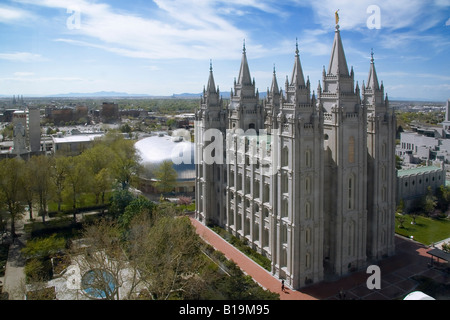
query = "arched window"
{"x": 308, "y": 260}
{"x": 308, "y": 158}
{"x": 308, "y": 236}
{"x": 284, "y": 208}
{"x": 284, "y": 183}
{"x": 308, "y": 210}
{"x": 308, "y": 185}
{"x": 285, "y": 157}
{"x": 351, "y": 192}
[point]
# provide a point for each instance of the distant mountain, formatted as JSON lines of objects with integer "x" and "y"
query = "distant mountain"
{"x": 97, "y": 94}
{"x": 186, "y": 95}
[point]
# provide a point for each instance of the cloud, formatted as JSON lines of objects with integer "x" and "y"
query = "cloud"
{"x": 23, "y": 74}
{"x": 11, "y": 15}
{"x": 177, "y": 29}
{"x": 447, "y": 23}
{"x": 22, "y": 57}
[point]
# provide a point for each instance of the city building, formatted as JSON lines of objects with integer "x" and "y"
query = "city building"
{"x": 307, "y": 179}
{"x": 413, "y": 183}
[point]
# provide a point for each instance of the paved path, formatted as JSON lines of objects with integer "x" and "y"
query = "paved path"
{"x": 397, "y": 273}
{"x": 14, "y": 280}
{"x": 258, "y": 273}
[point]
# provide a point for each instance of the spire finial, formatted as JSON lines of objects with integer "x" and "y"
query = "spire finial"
{"x": 274, "y": 68}
{"x": 243, "y": 49}
{"x": 210, "y": 65}
{"x": 336, "y": 15}
{"x": 371, "y": 54}
{"x": 296, "y": 46}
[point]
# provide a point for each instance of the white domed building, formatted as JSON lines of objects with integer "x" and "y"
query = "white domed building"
{"x": 161, "y": 147}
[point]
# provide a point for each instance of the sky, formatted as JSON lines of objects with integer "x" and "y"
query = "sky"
{"x": 164, "y": 47}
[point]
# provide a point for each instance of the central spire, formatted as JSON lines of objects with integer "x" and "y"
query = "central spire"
{"x": 338, "y": 63}
{"x": 211, "y": 84}
{"x": 372, "y": 82}
{"x": 244, "y": 72}
{"x": 297, "y": 74}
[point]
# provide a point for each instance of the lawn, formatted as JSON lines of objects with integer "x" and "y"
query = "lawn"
{"x": 426, "y": 230}
{"x": 85, "y": 200}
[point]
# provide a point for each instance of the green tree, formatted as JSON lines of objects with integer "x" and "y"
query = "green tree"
{"x": 429, "y": 202}
{"x": 120, "y": 199}
{"x": 166, "y": 177}
{"x": 58, "y": 177}
{"x": 172, "y": 259}
{"x": 125, "y": 165}
{"x": 140, "y": 205}
{"x": 75, "y": 182}
{"x": 10, "y": 187}
{"x": 42, "y": 168}
{"x": 27, "y": 181}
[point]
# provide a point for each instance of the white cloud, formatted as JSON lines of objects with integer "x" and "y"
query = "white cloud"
{"x": 184, "y": 29}
{"x": 23, "y": 74}
{"x": 11, "y": 14}
{"x": 21, "y": 57}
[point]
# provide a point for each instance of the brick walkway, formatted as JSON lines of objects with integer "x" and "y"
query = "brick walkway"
{"x": 411, "y": 259}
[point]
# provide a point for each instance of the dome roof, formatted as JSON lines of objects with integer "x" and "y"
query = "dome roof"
{"x": 157, "y": 149}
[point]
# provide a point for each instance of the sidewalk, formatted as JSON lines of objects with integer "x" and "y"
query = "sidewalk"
{"x": 259, "y": 274}
{"x": 397, "y": 273}
{"x": 14, "y": 280}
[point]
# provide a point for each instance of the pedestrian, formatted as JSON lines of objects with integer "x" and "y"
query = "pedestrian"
{"x": 282, "y": 285}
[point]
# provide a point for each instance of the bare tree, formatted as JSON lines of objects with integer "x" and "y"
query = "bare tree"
{"x": 10, "y": 186}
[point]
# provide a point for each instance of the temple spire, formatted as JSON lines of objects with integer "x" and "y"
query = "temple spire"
{"x": 372, "y": 82}
{"x": 338, "y": 62}
{"x": 244, "y": 72}
{"x": 211, "y": 84}
{"x": 274, "y": 88}
{"x": 297, "y": 73}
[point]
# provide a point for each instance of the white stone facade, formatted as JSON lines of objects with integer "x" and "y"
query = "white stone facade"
{"x": 308, "y": 179}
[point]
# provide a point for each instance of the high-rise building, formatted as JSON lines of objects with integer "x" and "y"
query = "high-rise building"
{"x": 308, "y": 179}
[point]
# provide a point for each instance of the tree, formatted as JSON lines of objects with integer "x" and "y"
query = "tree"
{"x": 166, "y": 177}
{"x": 97, "y": 161}
{"x": 75, "y": 182}
{"x": 401, "y": 219}
{"x": 138, "y": 206}
{"x": 125, "y": 164}
{"x": 120, "y": 199}
{"x": 172, "y": 260}
{"x": 58, "y": 176}
{"x": 42, "y": 169}
{"x": 429, "y": 202}
{"x": 27, "y": 181}
{"x": 10, "y": 187}
{"x": 102, "y": 262}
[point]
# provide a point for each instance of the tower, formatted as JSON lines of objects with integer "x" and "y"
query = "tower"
{"x": 245, "y": 110}
{"x": 209, "y": 154}
{"x": 298, "y": 218}
{"x": 345, "y": 165}
{"x": 34, "y": 128}
{"x": 381, "y": 173}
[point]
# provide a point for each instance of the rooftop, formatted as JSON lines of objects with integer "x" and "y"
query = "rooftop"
{"x": 418, "y": 170}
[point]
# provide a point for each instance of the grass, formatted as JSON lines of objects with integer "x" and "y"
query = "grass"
{"x": 426, "y": 230}
{"x": 85, "y": 200}
{"x": 244, "y": 248}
